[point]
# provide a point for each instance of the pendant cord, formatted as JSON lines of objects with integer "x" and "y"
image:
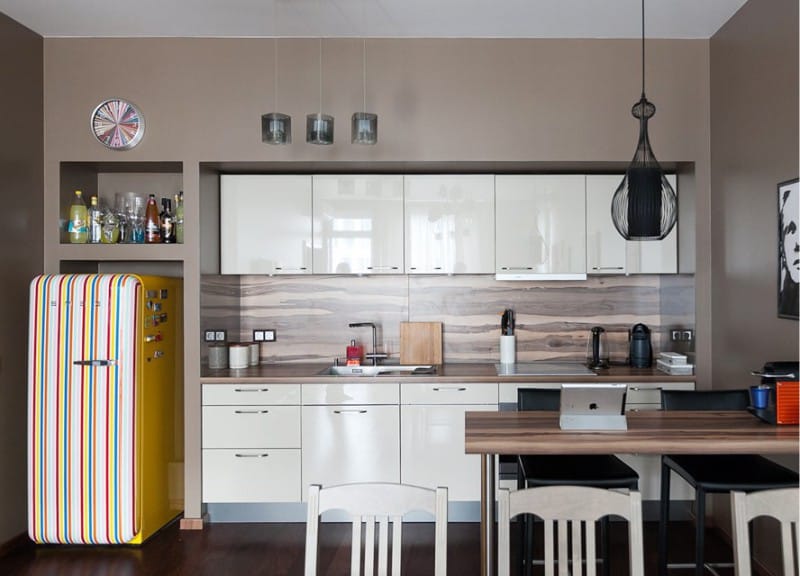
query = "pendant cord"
{"x": 275, "y": 75}
{"x": 642, "y": 47}
{"x": 364, "y": 71}
{"x": 320, "y": 76}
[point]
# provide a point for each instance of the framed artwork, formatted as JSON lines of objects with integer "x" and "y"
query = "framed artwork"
{"x": 788, "y": 248}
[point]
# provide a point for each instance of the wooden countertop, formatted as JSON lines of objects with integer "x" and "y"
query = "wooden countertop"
{"x": 654, "y": 432}
{"x": 454, "y": 372}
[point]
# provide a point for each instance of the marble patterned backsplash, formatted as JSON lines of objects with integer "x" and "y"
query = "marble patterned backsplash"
{"x": 310, "y": 314}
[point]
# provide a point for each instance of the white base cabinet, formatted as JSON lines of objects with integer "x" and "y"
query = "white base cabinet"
{"x": 432, "y": 436}
{"x": 251, "y": 443}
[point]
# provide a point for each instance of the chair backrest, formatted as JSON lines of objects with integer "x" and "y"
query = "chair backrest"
{"x": 560, "y": 506}
{"x": 538, "y": 399}
{"x": 705, "y": 399}
{"x": 384, "y": 504}
{"x": 782, "y": 504}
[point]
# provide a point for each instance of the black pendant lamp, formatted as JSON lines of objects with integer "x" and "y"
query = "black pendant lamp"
{"x": 644, "y": 206}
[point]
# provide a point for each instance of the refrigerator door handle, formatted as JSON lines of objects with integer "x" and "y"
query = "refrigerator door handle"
{"x": 95, "y": 362}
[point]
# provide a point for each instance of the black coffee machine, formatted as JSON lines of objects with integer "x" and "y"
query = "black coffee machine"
{"x": 641, "y": 348}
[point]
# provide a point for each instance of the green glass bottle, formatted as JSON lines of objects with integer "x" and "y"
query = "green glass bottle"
{"x": 78, "y": 226}
{"x": 179, "y": 217}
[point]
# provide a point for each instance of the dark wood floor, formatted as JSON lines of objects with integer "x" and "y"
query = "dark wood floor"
{"x": 278, "y": 549}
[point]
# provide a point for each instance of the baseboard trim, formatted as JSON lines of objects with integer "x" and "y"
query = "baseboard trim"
{"x": 194, "y": 523}
{"x": 17, "y": 541}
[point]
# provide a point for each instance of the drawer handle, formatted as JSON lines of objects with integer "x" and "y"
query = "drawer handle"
{"x": 251, "y": 389}
{"x": 450, "y": 389}
{"x": 251, "y": 411}
{"x": 382, "y": 268}
{"x": 607, "y": 268}
{"x": 350, "y": 411}
{"x": 252, "y": 455}
{"x": 516, "y": 268}
{"x": 639, "y": 389}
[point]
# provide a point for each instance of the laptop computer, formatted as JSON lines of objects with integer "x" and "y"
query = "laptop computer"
{"x": 593, "y": 407}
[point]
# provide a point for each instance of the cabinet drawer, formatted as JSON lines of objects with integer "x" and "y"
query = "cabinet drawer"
{"x": 252, "y": 394}
{"x": 251, "y": 426}
{"x": 447, "y": 393}
{"x": 650, "y": 393}
{"x": 251, "y": 475}
{"x": 353, "y": 393}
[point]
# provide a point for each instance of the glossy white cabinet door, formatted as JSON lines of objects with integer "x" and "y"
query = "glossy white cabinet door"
{"x": 540, "y": 224}
{"x": 343, "y": 444}
{"x": 449, "y": 224}
{"x": 656, "y": 257}
{"x": 605, "y": 248}
{"x": 433, "y": 455}
{"x": 265, "y": 224}
{"x": 358, "y": 224}
{"x": 242, "y": 475}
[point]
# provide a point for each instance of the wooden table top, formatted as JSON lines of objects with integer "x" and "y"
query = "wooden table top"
{"x": 649, "y": 432}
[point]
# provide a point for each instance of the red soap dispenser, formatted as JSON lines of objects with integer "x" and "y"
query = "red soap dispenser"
{"x": 354, "y": 354}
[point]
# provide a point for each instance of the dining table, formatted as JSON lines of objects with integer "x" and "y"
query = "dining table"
{"x": 648, "y": 432}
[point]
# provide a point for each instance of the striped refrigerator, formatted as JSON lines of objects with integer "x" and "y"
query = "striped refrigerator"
{"x": 105, "y": 407}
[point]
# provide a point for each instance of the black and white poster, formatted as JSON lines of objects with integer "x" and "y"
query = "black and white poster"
{"x": 788, "y": 248}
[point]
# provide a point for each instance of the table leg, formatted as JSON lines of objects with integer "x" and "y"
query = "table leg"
{"x": 488, "y": 555}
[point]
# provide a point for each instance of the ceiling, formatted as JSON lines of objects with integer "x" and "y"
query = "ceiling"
{"x": 372, "y": 18}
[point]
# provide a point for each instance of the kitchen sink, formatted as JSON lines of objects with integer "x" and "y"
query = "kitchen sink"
{"x": 380, "y": 370}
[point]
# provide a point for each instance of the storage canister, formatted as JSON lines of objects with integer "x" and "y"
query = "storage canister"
{"x": 255, "y": 353}
{"x": 238, "y": 356}
{"x": 217, "y": 356}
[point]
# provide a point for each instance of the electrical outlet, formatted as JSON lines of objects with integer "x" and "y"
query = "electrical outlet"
{"x": 209, "y": 336}
{"x": 220, "y": 336}
{"x": 681, "y": 335}
{"x": 269, "y": 335}
{"x": 258, "y": 335}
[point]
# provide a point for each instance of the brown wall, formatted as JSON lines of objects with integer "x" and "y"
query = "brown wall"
{"x": 754, "y": 129}
{"x": 444, "y": 100}
{"x": 21, "y": 183}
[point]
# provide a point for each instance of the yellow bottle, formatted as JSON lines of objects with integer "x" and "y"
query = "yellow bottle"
{"x": 78, "y": 226}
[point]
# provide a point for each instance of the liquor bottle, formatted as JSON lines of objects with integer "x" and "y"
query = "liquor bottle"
{"x": 152, "y": 223}
{"x": 179, "y": 217}
{"x": 95, "y": 221}
{"x": 78, "y": 227}
{"x": 167, "y": 222}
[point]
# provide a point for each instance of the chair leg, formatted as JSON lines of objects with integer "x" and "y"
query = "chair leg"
{"x": 605, "y": 540}
{"x": 700, "y": 526}
{"x": 663, "y": 520}
{"x": 527, "y": 549}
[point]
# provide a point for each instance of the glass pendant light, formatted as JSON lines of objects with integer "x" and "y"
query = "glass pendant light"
{"x": 319, "y": 126}
{"x": 644, "y": 207}
{"x": 276, "y": 128}
{"x": 364, "y": 128}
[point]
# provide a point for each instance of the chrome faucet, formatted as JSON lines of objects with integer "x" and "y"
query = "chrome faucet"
{"x": 374, "y": 355}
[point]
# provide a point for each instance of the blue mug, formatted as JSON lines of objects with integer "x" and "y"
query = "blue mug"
{"x": 759, "y": 396}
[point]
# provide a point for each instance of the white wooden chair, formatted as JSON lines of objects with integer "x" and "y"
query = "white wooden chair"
{"x": 781, "y": 504}
{"x": 560, "y": 506}
{"x": 384, "y": 504}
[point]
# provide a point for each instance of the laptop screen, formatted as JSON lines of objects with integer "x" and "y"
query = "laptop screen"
{"x": 593, "y": 399}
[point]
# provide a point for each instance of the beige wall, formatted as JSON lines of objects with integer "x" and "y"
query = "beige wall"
{"x": 21, "y": 158}
{"x": 556, "y": 102}
{"x": 754, "y": 128}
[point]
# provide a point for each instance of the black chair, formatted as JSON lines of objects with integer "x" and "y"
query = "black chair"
{"x": 712, "y": 474}
{"x": 596, "y": 471}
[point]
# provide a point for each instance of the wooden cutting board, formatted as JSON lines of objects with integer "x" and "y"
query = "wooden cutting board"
{"x": 420, "y": 342}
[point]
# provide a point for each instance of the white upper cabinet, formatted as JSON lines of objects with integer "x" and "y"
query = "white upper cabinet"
{"x": 449, "y": 224}
{"x": 540, "y": 227}
{"x": 358, "y": 224}
{"x": 265, "y": 224}
{"x": 609, "y": 253}
{"x": 605, "y": 248}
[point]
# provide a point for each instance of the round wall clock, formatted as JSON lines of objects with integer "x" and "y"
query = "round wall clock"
{"x": 117, "y": 124}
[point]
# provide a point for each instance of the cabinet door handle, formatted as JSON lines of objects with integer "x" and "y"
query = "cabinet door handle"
{"x": 350, "y": 411}
{"x": 290, "y": 269}
{"x": 608, "y": 267}
{"x": 640, "y": 389}
{"x": 251, "y": 411}
{"x": 382, "y": 268}
{"x": 516, "y": 268}
{"x": 251, "y": 389}
{"x": 450, "y": 389}
{"x": 264, "y": 455}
